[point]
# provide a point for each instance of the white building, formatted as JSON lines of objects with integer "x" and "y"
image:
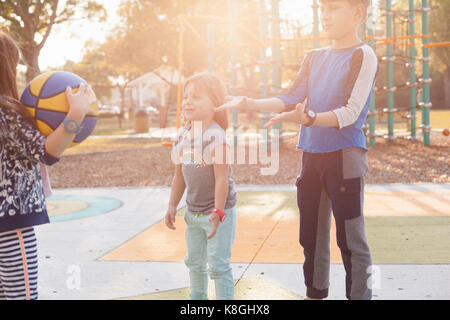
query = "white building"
{"x": 154, "y": 87}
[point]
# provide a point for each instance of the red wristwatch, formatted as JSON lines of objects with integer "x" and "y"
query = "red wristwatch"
{"x": 220, "y": 213}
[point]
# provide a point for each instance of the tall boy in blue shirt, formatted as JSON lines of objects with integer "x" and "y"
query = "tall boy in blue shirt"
{"x": 337, "y": 83}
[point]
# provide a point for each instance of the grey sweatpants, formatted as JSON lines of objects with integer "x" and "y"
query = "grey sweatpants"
{"x": 334, "y": 182}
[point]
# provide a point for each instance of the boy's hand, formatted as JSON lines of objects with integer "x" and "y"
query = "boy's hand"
{"x": 274, "y": 119}
{"x": 233, "y": 103}
{"x": 170, "y": 218}
{"x": 300, "y": 107}
{"x": 215, "y": 220}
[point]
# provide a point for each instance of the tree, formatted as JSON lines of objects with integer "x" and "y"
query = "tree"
{"x": 440, "y": 26}
{"x": 149, "y": 35}
{"x": 31, "y": 22}
{"x": 439, "y": 32}
{"x": 94, "y": 69}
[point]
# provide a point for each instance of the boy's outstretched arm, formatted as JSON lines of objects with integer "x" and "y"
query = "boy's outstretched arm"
{"x": 360, "y": 80}
{"x": 291, "y": 116}
{"x": 298, "y": 115}
{"x": 245, "y": 103}
{"x": 296, "y": 94}
{"x": 324, "y": 119}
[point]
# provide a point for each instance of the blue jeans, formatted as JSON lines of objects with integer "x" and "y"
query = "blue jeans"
{"x": 215, "y": 252}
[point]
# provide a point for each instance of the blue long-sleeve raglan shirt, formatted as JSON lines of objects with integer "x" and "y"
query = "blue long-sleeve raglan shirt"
{"x": 338, "y": 80}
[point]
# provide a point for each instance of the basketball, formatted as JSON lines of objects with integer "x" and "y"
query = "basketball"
{"x": 45, "y": 99}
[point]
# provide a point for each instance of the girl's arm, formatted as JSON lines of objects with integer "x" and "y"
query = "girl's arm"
{"x": 221, "y": 167}
{"x": 60, "y": 139}
{"x": 176, "y": 193}
{"x": 30, "y": 143}
{"x": 178, "y": 187}
{"x": 24, "y": 138}
{"x": 221, "y": 186}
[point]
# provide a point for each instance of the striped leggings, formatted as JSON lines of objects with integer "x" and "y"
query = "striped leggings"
{"x": 18, "y": 265}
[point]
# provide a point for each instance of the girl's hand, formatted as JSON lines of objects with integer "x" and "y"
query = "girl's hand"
{"x": 233, "y": 103}
{"x": 79, "y": 102}
{"x": 215, "y": 220}
{"x": 170, "y": 218}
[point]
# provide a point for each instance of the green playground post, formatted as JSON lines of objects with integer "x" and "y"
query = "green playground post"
{"x": 263, "y": 65}
{"x": 390, "y": 74}
{"x": 412, "y": 71}
{"x": 362, "y": 32}
{"x": 316, "y": 33}
{"x": 232, "y": 16}
{"x": 276, "y": 53}
{"x": 372, "y": 110}
{"x": 211, "y": 45}
{"x": 426, "y": 103}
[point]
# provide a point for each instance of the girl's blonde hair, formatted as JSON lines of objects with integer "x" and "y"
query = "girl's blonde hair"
{"x": 213, "y": 86}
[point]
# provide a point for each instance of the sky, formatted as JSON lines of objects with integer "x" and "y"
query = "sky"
{"x": 295, "y": 9}
{"x": 67, "y": 41}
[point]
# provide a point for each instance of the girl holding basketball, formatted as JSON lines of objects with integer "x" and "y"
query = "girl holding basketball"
{"x": 22, "y": 149}
{"x": 200, "y": 155}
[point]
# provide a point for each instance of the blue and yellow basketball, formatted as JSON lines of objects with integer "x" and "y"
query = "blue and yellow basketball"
{"x": 45, "y": 99}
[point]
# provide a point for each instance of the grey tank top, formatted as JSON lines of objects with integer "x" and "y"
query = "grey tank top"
{"x": 194, "y": 155}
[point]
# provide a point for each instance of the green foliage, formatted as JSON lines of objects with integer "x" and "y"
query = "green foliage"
{"x": 148, "y": 37}
{"x": 440, "y": 32}
{"x": 94, "y": 70}
{"x": 30, "y": 22}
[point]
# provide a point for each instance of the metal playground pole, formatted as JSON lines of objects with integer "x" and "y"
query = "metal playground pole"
{"x": 390, "y": 110}
{"x": 426, "y": 104}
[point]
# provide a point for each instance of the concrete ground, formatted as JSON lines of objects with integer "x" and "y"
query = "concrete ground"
{"x": 110, "y": 243}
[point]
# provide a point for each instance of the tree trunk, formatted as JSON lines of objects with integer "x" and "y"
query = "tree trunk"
{"x": 447, "y": 88}
{"x": 122, "y": 104}
{"x": 31, "y": 57}
{"x": 163, "y": 113}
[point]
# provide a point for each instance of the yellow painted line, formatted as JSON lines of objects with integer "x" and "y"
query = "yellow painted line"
{"x": 255, "y": 288}
{"x": 58, "y": 207}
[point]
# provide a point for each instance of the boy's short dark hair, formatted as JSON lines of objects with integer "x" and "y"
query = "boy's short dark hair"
{"x": 365, "y": 3}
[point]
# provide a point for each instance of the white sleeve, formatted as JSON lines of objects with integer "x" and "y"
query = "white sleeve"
{"x": 360, "y": 81}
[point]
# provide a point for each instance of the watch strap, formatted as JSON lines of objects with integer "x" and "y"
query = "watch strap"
{"x": 310, "y": 120}
{"x": 220, "y": 213}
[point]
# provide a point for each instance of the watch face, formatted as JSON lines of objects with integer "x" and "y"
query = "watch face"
{"x": 71, "y": 126}
{"x": 311, "y": 114}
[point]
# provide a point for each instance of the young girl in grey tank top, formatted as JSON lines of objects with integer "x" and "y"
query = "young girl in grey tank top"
{"x": 200, "y": 153}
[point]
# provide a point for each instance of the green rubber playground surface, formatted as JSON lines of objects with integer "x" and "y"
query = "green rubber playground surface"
{"x": 392, "y": 239}
{"x": 268, "y": 223}
{"x": 409, "y": 240}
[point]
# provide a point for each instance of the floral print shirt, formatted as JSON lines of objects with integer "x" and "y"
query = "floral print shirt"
{"x": 22, "y": 149}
